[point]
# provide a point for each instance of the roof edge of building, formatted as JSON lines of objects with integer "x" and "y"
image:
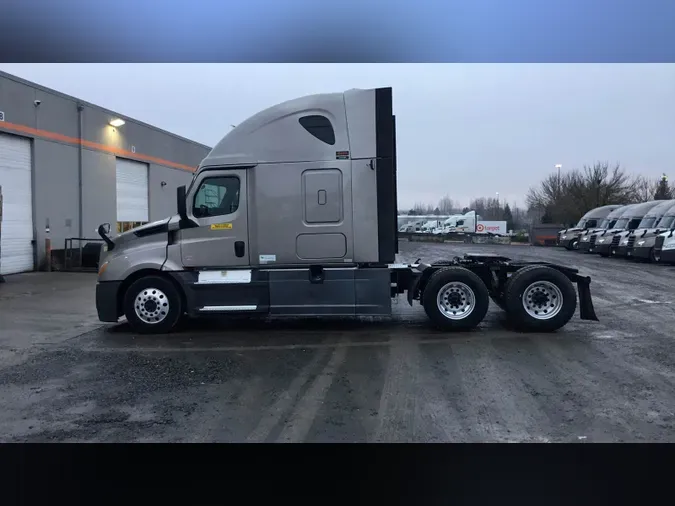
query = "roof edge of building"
{"x": 40, "y": 87}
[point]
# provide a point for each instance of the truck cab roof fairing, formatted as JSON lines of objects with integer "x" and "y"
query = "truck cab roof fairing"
{"x": 601, "y": 212}
{"x": 286, "y": 132}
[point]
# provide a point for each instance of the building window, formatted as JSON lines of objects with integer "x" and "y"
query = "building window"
{"x": 319, "y": 127}
{"x": 125, "y": 226}
{"x": 217, "y": 196}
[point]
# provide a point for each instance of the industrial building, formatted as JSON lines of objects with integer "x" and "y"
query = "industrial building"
{"x": 66, "y": 166}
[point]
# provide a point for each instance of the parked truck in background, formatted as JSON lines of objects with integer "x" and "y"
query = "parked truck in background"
{"x": 306, "y": 225}
{"x": 642, "y": 243}
{"x": 471, "y": 223}
{"x": 603, "y": 242}
{"x": 607, "y": 224}
{"x": 650, "y": 219}
{"x": 569, "y": 237}
{"x": 664, "y": 246}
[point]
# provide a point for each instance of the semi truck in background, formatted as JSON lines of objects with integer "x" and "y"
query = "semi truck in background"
{"x": 649, "y": 221}
{"x": 471, "y": 223}
{"x": 584, "y": 244}
{"x": 603, "y": 242}
{"x": 306, "y": 225}
{"x": 646, "y": 243}
{"x": 569, "y": 237}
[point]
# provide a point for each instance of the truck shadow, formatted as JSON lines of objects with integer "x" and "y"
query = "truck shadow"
{"x": 299, "y": 331}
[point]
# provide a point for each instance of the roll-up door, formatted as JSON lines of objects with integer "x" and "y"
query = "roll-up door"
{"x": 132, "y": 194}
{"x": 16, "y": 235}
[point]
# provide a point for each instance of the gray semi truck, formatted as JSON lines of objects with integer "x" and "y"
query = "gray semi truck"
{"x": 603, "y": 242}
{"x": 607, "y": 224}
{"x": 569, "y": 237}
{"x": 293, "y": 213}
{"x": 653, "y": 216}
{"x": 642, "y": 244}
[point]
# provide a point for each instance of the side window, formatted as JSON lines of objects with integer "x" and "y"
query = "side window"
{"x": 591, "y": 224}
{"x": 460, "y": 223}
{"x": 217, "y": 196}
{"x": 320, "y": 127}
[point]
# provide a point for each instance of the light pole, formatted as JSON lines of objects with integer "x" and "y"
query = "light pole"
{"x": 558, "y": 166}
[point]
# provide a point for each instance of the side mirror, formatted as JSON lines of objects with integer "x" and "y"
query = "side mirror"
{"x": 105, "y": 228}
{"x": 181, "y": 204}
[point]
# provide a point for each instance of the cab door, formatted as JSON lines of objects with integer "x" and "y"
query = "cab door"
{"x": 217, "y": 204}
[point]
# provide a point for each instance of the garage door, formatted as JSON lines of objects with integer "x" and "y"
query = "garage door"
{"x": 132, "y": 192}
{"x": 16, "y": 248}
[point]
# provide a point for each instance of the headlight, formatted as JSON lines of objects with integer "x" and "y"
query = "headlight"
{"x": 669, "y": 243}
{"x": 601, "y": 240}
{"x": 564, "y": 237}
{"x": 625, "y": 241}
{"x": 640, "y": 243}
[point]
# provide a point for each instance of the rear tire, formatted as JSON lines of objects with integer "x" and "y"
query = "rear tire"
{"x": 539, "y": 298}
{"x": 455, "y": 299}
{"x": 152, "y": 305}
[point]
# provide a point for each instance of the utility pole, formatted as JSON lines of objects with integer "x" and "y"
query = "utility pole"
{"x": 558, "y": 166}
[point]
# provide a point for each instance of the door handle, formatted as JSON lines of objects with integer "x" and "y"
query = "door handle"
{"x": 239, "y": 248}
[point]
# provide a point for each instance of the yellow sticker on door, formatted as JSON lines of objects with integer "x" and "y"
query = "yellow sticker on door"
{"x": 221, "y": 226}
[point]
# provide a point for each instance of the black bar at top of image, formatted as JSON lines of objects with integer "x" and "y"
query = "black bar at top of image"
{"x": 344, "y": 31}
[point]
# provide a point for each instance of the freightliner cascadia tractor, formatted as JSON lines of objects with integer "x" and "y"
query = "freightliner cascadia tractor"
{"x": 569, "y": 237}
{"x": 585, "y": 237}
{"x": 293, "y": 213}
{"x": 642, "y": 243}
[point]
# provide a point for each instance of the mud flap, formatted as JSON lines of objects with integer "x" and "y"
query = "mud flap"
{"x": 586, "y": 309}
{"x": 413, "y": 287}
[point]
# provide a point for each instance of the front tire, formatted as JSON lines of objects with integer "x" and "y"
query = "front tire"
{"x": 540, "y": 298}
{"x": 455, "y": 299}
{"x": 654, "y": 256}
{"x": 152, "y": 305}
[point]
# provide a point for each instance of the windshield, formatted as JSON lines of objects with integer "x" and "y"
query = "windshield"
{"x": 633, "y": 224}
{"x": 647, "y": 222}
{"x": 605, "y": 223}
{"x": 621, "y": 223}
{"x": 666, "y": 222}
{"x": 581, "y": 223}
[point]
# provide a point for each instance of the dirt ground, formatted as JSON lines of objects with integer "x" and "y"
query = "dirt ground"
{"x": 364, "y": 380}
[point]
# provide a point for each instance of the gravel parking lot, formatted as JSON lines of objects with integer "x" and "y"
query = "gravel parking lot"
{"x": 354, "y": 380}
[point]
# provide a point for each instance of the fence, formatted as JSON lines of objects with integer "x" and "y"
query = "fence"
{"x": 81, "y": 254}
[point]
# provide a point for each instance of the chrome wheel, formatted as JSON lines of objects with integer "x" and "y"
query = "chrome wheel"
{"x": 151, "y": 305}
{"x": 456, "y": 300}
{"x": 542, "y": 300}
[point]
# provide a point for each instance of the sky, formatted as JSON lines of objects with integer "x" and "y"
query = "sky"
{"x": 463, "y": 130}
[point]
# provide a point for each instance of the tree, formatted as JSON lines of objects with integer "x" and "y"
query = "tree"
{"x": 465, "y": 210}
{"x": 643, "y": 189}
{"x": 663, "y": 191}
{"x": 508, "y": 217}
{"x": 446, "y": 205}
{"x": 566, "y": 198}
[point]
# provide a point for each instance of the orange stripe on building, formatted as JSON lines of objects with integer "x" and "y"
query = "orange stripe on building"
{"x": 45, "y": 134}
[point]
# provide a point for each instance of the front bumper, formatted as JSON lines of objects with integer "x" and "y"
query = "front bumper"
{"x": 641, "y": 252}
{"x": 619, "y": 251}
{"x": 602, "y": 248}
{"x": 106, "y": 301}
{"x": 585, "y": 246}
{"x": 668, "y": 256}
